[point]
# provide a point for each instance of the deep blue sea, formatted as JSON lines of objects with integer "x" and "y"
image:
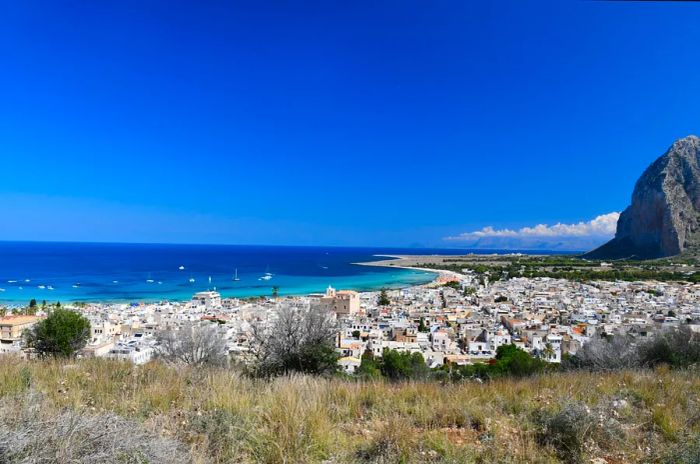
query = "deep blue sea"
{"x": 54, "y": 271}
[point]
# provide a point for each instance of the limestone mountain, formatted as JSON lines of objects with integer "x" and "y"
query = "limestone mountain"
{"x": 664, "y": 216}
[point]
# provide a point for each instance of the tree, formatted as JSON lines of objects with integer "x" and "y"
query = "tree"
{"x": 397, "y": 365}
{"x": 62, "y": 333}
{"x": 369, "y": 367}
{"x": 298, "y": 340}
{"x": 31, "y": 310}
{"x": 194, "y": 345}
{"x": 548, "y": 351}
{"x": 422, "y": 327}
{"x": 383, "y": 298}
{"x": 512, "y": 360}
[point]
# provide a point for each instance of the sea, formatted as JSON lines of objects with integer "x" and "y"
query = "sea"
{"x": 119, "y": 272}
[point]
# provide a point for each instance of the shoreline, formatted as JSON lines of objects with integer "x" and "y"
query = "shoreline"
{"x": 300, "y": 292}
{"x": 390, "y": 263}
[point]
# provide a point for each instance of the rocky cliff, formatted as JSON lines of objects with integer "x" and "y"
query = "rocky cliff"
{"x": 664, "y": 217}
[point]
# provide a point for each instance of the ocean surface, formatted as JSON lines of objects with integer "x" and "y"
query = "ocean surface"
{"x": 110, "y": 272}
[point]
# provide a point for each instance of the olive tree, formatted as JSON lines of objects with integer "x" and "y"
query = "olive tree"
{"x": 193, "y": 344}
{"x": 299, "y": 339}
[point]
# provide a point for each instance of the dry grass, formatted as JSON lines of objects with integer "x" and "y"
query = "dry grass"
{"x": 221, "y": 416}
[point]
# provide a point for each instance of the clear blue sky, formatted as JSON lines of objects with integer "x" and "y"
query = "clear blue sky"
{"x": 339, "y": 123}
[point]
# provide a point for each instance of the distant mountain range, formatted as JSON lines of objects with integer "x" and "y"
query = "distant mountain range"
{"x": 664, "y": 216}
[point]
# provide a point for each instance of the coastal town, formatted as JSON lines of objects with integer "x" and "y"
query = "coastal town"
{"x": 460, "y": 318}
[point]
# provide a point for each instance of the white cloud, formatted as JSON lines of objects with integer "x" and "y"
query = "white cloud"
{"x": 602, "y": 227}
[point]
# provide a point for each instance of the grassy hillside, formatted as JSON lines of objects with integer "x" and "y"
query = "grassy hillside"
{"x": 154, "y": 412}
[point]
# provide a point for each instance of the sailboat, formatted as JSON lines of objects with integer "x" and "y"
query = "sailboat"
{"x": 235, "y": 276}
{"x": 209, "y": 280}
{"x": 268, "y": 274}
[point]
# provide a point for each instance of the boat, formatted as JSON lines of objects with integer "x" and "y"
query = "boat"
{"x": 11, "y": 281}
{"x": 150, "y": 281}
{"x": 182, "y": 268}
{"x": 77, "y": 285}
{"x": 115, "y": 281}
{"x": 2, "y": 289}
{"x": 191, "y": 280}
{"x": 49, "y": 287}
{"x": 266, "y": 277}
{"x": 42, "y": 286}
{"x": 210, "y": 280}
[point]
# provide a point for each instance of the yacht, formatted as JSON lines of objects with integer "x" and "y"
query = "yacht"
{"x": 235, "y": 276}
{"x": 182, "y": 268}
{"x": 191, "y": 280}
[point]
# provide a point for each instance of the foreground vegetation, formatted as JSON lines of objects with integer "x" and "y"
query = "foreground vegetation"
{"x": 159, "y": 413}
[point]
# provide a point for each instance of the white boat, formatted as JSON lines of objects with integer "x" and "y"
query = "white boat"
{"x": 266, "y": 277}
{"x": 27, "y": 280}
{"x": 150, "y": 281}
{"x": 209, "y": 279}
{"x": 21, "y": 288}
{"x": 191, "y": 280}
{"x": 235, "y": 276}
{"x": 2, "y": 289}
{"x": 115, "y": 281}
{"x": 49, "y": 287}
{"x": 11, "y": 281}
{"x": 42, "y": 286}
{"x": 182, "y": 268}
{"x": 160, "y": 283}
{"x": 76, "y": 285}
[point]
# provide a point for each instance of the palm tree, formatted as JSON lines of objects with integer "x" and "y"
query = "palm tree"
{"x": 548, "y": 352}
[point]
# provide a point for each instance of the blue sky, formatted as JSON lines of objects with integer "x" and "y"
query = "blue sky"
{"x": 336, "y": 123}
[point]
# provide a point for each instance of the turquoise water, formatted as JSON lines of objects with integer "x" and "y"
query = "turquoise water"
{"x": 140, "y": 272}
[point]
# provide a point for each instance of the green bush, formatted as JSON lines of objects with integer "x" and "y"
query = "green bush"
{"x": 62, "y": 333}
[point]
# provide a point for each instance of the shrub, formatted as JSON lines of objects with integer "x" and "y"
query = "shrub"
{"x": 62, "y": 333}
{"x": 510, "y": 361}
{"x": 369, "y": 367}
{"x": 575, "y": 427}
{"x": 31, "y": 433}
{"x": 677, "y": 348}
{"x": 604, "y": 354}
{"x": 685, "y": 452}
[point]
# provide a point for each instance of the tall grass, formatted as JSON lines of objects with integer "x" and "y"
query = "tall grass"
{"x": 221, "y": 416}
